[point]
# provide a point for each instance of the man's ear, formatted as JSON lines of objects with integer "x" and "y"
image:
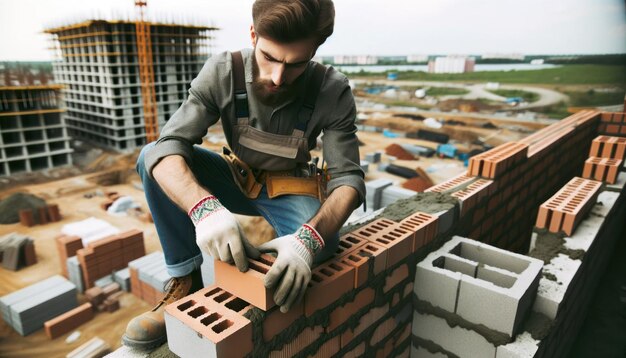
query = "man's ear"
{"x": 252, "y": 35}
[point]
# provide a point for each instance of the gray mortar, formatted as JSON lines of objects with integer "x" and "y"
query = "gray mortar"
{"x": 494, "y": 337}
{"x": 537, "y": 325}
{"x": 551, "y": 277}
{"x": 162, "y": 352}
{"x": 431, "y": 346}
{"x": 430, "y": 203}
{"x": 549, "y": 245}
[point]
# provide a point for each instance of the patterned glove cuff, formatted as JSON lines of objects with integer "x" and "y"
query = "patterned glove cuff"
{"x": 204, "y": 208}
{"x": 310, "y": 239}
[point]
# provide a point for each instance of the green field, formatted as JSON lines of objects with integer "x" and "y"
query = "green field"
{"x": 564, "y": 75}
{"x": 527, "y": 96}
{"x": 593, "y": 98}
{"x": 446, "y": 91}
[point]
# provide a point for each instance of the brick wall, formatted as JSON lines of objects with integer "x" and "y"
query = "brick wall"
{"x": 361, "y": 300}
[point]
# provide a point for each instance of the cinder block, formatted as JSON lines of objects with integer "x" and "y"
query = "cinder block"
{"x": 457, "y": 340}
{"x": 551, "y": 293}
{"x": 523, "y": 346}
{"x": 248, "y": 285}
{"x": 419, "y": 352}
{"x": 200, "y": 323}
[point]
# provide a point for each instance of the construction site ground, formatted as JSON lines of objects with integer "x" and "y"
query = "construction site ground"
{"x": 69, "y": 194}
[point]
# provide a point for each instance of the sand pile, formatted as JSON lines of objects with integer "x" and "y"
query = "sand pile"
{"x": 11, "y": 205}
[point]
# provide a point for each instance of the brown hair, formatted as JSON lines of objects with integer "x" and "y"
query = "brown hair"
{"x": 293, "y": 20}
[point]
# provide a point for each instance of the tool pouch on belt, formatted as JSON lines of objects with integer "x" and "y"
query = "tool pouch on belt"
{"x": 281, "y": 183}
{"x": 243, "y": 175}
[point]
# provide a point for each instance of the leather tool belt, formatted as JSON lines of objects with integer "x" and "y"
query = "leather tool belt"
{"x": 278, "y": 183}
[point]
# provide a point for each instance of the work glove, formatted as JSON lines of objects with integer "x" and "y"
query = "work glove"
{"x": 291, "y": 271}
{"x": 218, "y": 234}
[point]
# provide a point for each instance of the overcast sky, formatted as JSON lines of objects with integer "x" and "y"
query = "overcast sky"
{"x": 377, "y": 27}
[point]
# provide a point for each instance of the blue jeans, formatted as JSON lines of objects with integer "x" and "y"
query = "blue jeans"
{"x": 177, "y": 233}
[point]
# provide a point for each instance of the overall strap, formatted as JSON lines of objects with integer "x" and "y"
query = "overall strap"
{"x": 241, "y": 96}
{"x": 310, "y": 97}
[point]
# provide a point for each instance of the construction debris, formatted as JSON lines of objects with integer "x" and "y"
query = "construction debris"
{"x": 397, "y": 151}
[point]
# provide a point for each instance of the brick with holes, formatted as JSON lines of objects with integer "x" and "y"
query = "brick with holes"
{"x": 248, "y": 285}
{"x": 210, "y": 321}
{"x": 328, "y": 283}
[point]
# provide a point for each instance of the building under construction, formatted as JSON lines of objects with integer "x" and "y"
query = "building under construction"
{"x": 123, "y": 79}
{"x": 33, "y": 135}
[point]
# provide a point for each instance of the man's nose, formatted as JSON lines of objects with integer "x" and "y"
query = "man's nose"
{"x": 278, "y": 74}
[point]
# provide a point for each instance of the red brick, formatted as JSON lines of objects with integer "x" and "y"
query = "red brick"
{"x": 424, "y": 226}
{"x": 303, "y": 340}
{"x": 450, "y": 184}
{"x": 357, "y": 351}
{"x": 247, "y": 285}
{"x": 26, "y": 217}
{"x": 367, "y": 320}
{"x": 383, "y": 330}
{"x": 53, "y": 213}
{"x": 30, "y": 257}
{"x": 328, "y": 348}
{"x": 495, "y": 162}
{"x": 275, "y": 321}
{"x": 395, "y": 277}
{"x": 341, "y": 314}
{"x": 361, "y": 266}
{"x": 68, "y": 321}
{"x": 328, "y": 283}
{"x": 349, "y": 243}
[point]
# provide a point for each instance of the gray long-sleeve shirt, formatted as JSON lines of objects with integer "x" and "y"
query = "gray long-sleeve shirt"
{"x": 211, "y": 97}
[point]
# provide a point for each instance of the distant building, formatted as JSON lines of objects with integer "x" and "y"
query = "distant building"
{"x": 503, "y": 56}
{"x": 417, "y": 58}
{"x": 97, "y": 62}
{"x": 451, "y": 64}
{"x": 355, "y": 60}
{"x": 33, "y": 134}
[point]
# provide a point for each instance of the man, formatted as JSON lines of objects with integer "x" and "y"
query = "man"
{"x": 270, "y": 123}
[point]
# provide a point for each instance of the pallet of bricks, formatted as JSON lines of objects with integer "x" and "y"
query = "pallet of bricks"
{"x": 40, "y": 216}
{"x": 148, "y": 277}
{"x": 358, "y": 301}
{"x": 99, "y": 258}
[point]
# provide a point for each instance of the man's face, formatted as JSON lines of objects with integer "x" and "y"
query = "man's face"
{"x": 276, "y": 66}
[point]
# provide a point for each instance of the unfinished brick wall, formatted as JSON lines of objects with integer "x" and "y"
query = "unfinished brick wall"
{"x": 361, "y": 300}
{"x": 503, "y": 187}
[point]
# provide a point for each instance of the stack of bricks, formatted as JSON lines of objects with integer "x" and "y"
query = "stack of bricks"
{"x": 67, "y": 246}
{"x": 17, "y": 251}
{"x": 68, "y": 321}
{"x": 613, "y": 124}
{"x": 102, "y": 257}
{"x": 486, "y": 291}
{"x": 568, "y": 206}
{"x": 503, "y": 185}
{"x": 110, "y": 198}
{"x": 605, "y": 159}
{"x": 358, "y": 301}
{"x": 105, "y": 298}
{"x": 43, "y": 215}
{"x": 148, "y": 277}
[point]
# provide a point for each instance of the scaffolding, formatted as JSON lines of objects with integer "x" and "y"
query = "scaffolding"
{"x": 124, "y": 79}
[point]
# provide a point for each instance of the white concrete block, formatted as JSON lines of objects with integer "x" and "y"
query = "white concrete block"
{"x": 550, "y": 293}
{"x": 208, "y": 270}
{"x": 524, "y": 346}
{"x": 185, "y": 342}
{"x": 457, "y": 340}
{"x": 619, "y": 184}
{"x": 436, "y": 285}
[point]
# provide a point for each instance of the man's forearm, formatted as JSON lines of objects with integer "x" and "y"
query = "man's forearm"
{"x": 178, "y": 182}
{"x": 335, "y": 211}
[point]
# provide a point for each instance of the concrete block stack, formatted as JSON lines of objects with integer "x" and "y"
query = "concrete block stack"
{"x": 27, "y": 309}
{"x": 358, "y": 301}
{"x": 486, "y": 291}
{"x": 75, "y": 273}
{"x": 122, "y": 277}
{"x": 373, "y": 157}
{"x": 394, "y": 193}
{"x": 17, "y": 251}
{"x": 148, "y": 277}
{"x": 102, "y": 257}
{"x": 374, "y": 192}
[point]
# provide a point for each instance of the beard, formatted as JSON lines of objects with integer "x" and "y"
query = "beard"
{"x": 266, "y": 92}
